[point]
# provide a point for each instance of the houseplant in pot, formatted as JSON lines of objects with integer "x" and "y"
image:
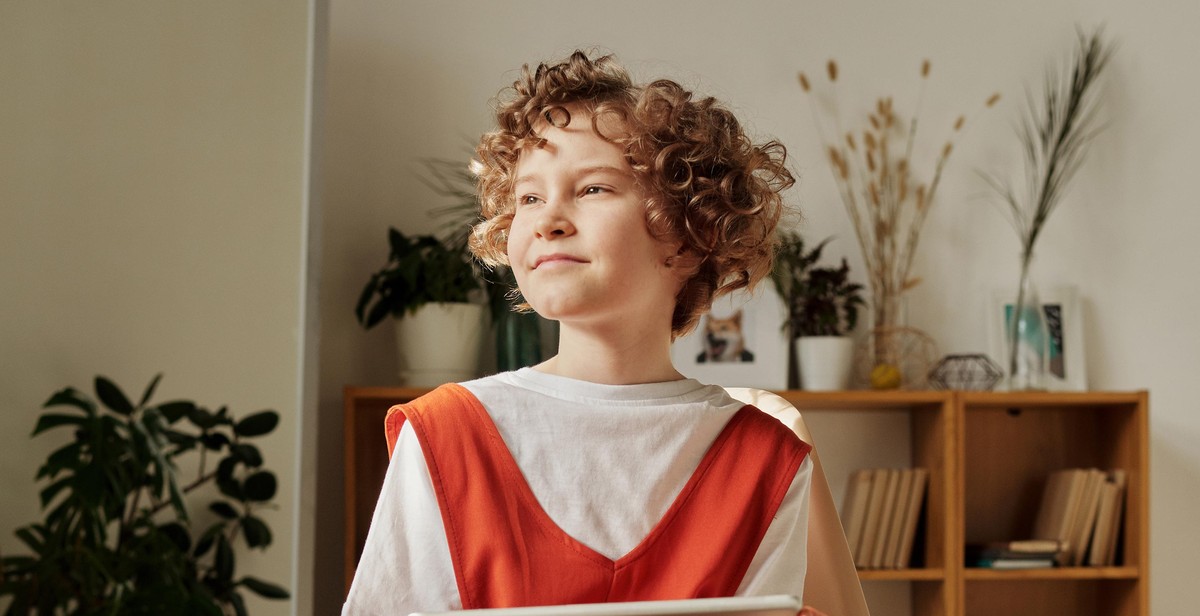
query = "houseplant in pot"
{"x": 426, "y": 285}
{"x": 822, "y": 310}
{"x": 118, "y": 536}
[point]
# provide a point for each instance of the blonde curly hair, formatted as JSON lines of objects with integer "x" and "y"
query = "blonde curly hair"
{"x": 708, "y": 187}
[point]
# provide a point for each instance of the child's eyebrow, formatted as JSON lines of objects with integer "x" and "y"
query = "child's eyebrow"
{"x": 586, "y": 171}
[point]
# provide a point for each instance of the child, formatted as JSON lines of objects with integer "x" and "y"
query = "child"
{"x": 601, "y": 474}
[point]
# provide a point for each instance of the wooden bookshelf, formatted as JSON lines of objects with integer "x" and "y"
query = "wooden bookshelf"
{"x": 988, "y": 455}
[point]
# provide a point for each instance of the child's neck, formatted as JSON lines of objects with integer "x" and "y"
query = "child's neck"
{"x": 628, "y": 359}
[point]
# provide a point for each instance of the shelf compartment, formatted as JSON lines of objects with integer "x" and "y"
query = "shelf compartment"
{"x": 1051, "y": 597}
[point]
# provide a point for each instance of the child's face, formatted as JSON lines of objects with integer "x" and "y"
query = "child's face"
{"x": 578, "y": 244}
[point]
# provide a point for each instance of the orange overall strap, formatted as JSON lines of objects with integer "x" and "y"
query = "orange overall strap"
{"x": 507, "y": 551}
{"x": 705, "y": 543}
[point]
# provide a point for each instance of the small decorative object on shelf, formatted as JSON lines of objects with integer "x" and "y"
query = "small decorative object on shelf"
{"x": 966, "y": 372}
{"x": 895, "y": 358}
{"x": 884, "y": 195}
{"x": 1055, "y": 131}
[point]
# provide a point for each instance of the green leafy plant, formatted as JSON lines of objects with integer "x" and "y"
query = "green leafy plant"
{"x": 420, "y": 270}
{"x": 821, "y": 301}
{"x": 117, "y": 537}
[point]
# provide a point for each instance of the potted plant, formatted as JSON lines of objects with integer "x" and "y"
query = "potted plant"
{"x": 117, "y": 537}
{"x": 822, "y": 306}
{"x": 426, "y": 285}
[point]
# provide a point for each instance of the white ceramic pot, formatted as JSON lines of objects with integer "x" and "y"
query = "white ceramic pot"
{"x": 825, "y": 362}
{"x": 439, "y": 344}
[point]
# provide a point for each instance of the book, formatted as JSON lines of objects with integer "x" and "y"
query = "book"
{"x": 1114, "y": 532}
{"x": 866, "y": 546}
{"x": 1022, "y": 549}
{"x": 1016, "y": 563}
{"x": 912, "y": 517}
{"x": 896, "y": 527}
{"x": 1085, "y": 520}
{"x": 1108, "y": 520}
{"x": 887, "y": 506}
{"x": 1059, "y": 509}
{"x": 854, "y": 507}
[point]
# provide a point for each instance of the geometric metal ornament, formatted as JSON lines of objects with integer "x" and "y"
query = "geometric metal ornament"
{"x": 967, "y": 372}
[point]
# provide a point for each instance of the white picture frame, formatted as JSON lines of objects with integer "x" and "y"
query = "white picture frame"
{"x": 763, "y": 361}
{"x": 1065, "y": 369}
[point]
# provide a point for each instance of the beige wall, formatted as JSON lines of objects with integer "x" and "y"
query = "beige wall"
{"x": 412, "y": 79}
{"x": 152, "y": 218}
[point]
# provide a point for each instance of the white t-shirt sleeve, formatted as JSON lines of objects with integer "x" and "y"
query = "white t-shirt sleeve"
{"x": 405, "y": 565}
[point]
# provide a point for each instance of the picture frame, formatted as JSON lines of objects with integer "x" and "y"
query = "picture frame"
{"x": 749, "y": 350}
{"x": 1061, "y": 305}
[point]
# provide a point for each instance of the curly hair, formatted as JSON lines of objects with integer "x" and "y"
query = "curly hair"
{"x": 708, "y": 187}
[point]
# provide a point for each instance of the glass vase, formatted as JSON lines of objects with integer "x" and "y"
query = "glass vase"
{"x": 1026, "y": 336}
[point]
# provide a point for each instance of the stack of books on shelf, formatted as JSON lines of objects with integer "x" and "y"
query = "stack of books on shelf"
{"x": 1020, "y": 554}
{"x": 1082, "y": 508}
{"x": 1078, "y": 524}
{"x": 880, "y": 513}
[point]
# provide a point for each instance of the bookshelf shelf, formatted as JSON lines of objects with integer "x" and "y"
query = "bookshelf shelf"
{"x": 988, "y": 456}
{"x": 902, "y": 575}
{"x": 1057, "y": 573}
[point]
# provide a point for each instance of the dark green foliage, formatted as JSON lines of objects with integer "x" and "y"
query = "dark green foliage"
{"x": 821, "y": 301}
{"x": 117, "y": 538}
{"x": 420, "y": 270}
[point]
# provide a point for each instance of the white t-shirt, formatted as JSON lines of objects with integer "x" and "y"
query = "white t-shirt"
{"x": 604, "y": 461}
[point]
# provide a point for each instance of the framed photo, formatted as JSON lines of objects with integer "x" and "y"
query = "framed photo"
{"x": 739, "y": 343}
{"x": 1061, "y": 308}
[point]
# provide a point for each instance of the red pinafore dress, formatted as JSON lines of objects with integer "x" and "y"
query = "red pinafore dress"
{"x": 507, "y": 552}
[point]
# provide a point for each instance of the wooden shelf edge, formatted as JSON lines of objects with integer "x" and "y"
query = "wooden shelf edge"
{"x": 1054, "y": 573}
{"x": 902, "y": 575}
{"x": 1051, "y": 398}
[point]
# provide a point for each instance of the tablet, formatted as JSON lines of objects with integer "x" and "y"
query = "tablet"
{"x": 773, "y": 605}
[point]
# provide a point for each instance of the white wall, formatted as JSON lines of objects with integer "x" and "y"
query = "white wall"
{"x": 413, "y": 79}
{"x": 152, "y": 218}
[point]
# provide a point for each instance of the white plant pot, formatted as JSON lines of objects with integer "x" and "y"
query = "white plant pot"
{"x": 439, "y": 344}
{"x": 825, "y": 362}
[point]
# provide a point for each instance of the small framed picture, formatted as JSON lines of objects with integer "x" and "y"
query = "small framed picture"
{"x": 1061, "y": 309}
{"x": 740, "y": 342}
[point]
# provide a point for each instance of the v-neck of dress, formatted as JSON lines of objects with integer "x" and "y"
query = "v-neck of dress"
{"x": 503, "y": 456}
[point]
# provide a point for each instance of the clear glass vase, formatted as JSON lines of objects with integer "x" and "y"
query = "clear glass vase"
{"x": 1026, "y": 336}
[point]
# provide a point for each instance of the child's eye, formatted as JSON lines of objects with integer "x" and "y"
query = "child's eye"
{"x": 527, "y": 200}
{"x": 594, "y": 190}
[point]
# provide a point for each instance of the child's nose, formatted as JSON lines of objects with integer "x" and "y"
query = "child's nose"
{"x": 552, "y": 223}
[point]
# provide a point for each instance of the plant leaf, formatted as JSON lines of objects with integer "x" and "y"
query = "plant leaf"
{"x": 53, "y": 420}
{"x": 150, "y": 390}
{"x": 202, "y": 418}
{"x": 72, "y": 397}
{"x": 175, "y": 410}
{"x": 260, "y": 486}
{"x": 258, "y": 534}
{"x": 258, "y": 424}
{"x": 223, "y": 509}
{"x": 247, "y": 454}
{"x": 264, "y": 589}
{"x": 224, "y": 562}
{"x": 112, "y": 396}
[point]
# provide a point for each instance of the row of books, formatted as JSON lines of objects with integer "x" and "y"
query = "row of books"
{"x": 880, "y": 513}
{"x": 1082, "y": 508}
{"x": 1078, "y": 523}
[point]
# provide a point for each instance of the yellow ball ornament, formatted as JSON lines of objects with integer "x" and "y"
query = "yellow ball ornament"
{"x": 885, "y": 376}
